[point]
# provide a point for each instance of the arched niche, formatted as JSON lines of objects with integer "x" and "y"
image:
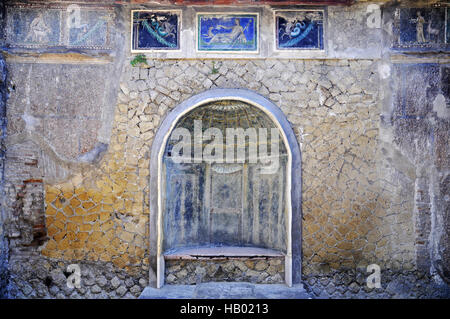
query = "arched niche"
{"x": 200, "y": 222}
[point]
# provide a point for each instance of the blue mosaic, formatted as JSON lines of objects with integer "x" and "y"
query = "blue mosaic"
{"x": 92, "y": 31}
{"x": 156, "y": 30}
{"x": 409, "y": 105}
{"x": 227, "y": 32}
{"x": 447, "y": 16}
{"x": 420, "y": 29}
{"x": 40, "y": 27}
{"x": 34, "y": 27}
{"x": 299, "y": 30}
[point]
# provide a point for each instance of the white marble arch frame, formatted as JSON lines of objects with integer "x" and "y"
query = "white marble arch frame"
{"x": 293, "y": 190}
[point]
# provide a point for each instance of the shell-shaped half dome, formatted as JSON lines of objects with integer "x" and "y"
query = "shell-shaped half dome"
{"x": 226, "y": 117}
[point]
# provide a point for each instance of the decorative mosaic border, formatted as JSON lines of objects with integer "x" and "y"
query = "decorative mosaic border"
{"x": 134, "y": 34}
{"x": 229, "y": 16}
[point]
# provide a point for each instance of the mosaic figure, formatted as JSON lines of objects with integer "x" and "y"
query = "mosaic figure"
{"x": 236, "y": 35}
{"x": 433, "y": 33}
{"x": 419, "y": 21}
{"x": 38, "y": 31}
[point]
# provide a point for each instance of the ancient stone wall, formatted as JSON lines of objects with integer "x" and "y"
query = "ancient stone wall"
{"x": 372, "y": 125}
{"x": 255, "y": 270}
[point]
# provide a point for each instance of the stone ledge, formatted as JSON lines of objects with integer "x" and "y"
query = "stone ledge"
{"x": 222, "y": 253}
{"x": 226, "y": 290}
{"x": 57, "y": 58}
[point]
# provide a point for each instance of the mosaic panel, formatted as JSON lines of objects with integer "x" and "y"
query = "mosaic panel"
{"x": 420, "y": 29}
{"x": 91, "y": 29}
{"x": 34, "y": 27}
{"x": 299, "y": 30}
{"x": 59, "y": 26}
{"x": 227, "y": 32}
{"x": 156, "y": 30}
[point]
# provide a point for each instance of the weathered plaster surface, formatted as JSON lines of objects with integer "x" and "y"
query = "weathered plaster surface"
{"x": 3, "y": 214}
